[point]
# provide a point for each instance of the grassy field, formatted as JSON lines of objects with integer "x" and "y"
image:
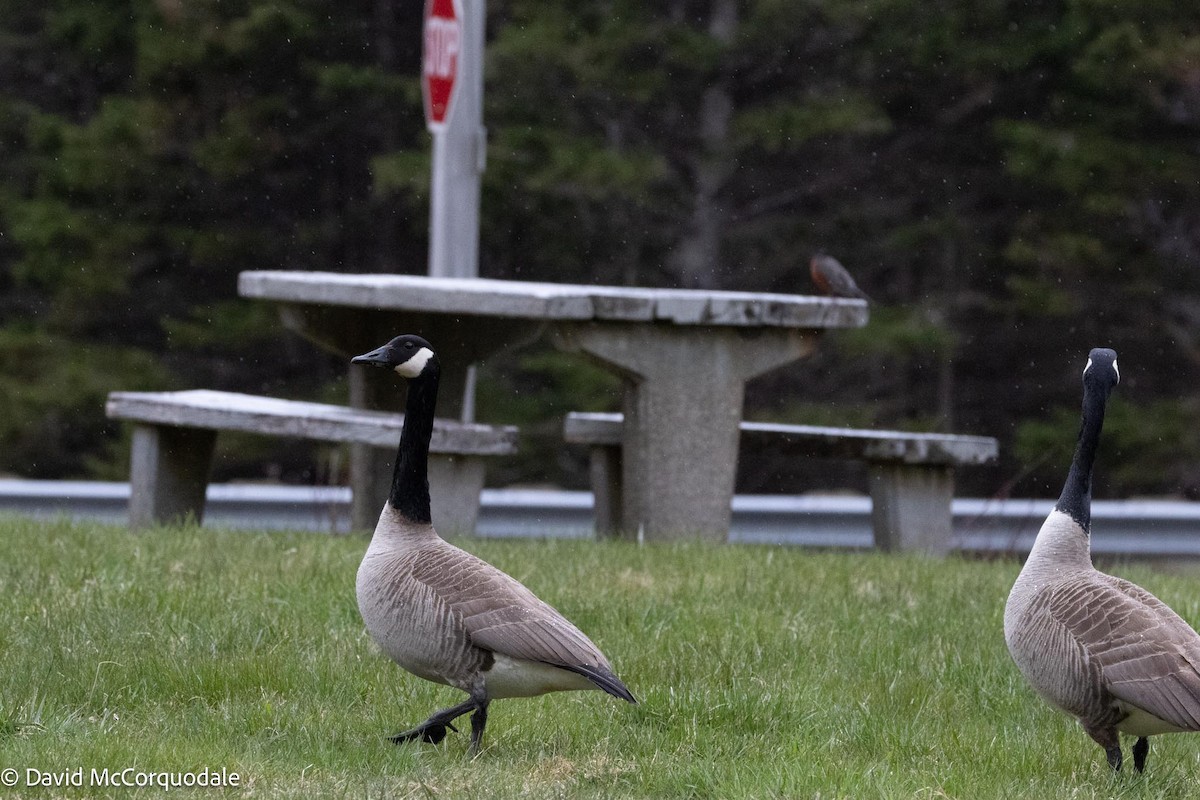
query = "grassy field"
{"x": 763, "y": 672}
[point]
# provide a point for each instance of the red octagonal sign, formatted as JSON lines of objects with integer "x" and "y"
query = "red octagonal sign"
{"x": 439, "y": 63}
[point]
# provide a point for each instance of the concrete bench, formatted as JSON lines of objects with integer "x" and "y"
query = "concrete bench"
{"x": 175, "y": 432}
{"x": 911, "y": 475}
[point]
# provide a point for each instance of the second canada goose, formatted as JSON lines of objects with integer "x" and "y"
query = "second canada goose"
{"x": 440, "y": 612}
{"x": 1098, "y": 647}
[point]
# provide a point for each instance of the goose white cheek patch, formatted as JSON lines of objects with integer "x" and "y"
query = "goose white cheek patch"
{"x": 412, "y": 368}
{"x": 1114, "y": 365}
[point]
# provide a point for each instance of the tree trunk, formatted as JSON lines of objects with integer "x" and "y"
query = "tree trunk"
{"x": 696, "y": 259}
{"x": 946, "y": 385}
{"x": 387, "y": 240}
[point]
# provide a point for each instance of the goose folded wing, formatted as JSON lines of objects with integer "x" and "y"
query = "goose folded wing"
{"x": 1146, "y": 653}
{"x": 502, "y": 615}
{"x": 535, "y": 635}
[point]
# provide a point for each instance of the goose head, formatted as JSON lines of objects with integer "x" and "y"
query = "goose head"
{"x": 408, "y": 356}
{"x": 1101, "y": 370}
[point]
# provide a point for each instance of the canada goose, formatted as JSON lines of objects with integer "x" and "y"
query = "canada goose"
{"x": 1098, "y": 647}
{"x": 440, "y": 612}
{"x": 831, "y": 278}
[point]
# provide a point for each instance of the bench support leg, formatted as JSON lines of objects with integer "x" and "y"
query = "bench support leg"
{"x": 371, "y": 467}
{"x": 910, "y": 507}
{"x": 605, "y": 468}
{"x": 168, "y": 474}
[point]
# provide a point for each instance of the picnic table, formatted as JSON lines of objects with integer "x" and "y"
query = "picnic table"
{"x": 685, "y": 356}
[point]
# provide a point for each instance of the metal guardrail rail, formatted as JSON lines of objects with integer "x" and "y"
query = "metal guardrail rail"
{"x": 1135, "y": 528}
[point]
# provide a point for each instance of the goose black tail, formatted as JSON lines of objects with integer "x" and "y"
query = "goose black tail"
{"x": 603, "y": 679}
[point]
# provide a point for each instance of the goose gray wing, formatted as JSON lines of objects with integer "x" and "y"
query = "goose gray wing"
{"x": 501, "y": 615}
{"x": 1147, "y": 654}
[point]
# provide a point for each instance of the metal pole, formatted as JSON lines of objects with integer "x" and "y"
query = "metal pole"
{"x": 459, "y": 158}
{"x": 459, "y": 153}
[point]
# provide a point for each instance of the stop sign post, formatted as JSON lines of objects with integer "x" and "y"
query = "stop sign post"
{"x": 452, "y": 86}
{"x": 452, "y": 83}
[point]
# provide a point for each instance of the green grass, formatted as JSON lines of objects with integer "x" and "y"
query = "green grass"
{"x": 763, "y": 672}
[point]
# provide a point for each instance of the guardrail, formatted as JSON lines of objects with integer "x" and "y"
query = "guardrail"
{"x": 1138, "y": 528}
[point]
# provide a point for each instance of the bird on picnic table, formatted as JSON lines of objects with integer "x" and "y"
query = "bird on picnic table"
{"x": 1098, "y": 647}
{"x": 444, "y": 614}
{"x": 831, "y": 278}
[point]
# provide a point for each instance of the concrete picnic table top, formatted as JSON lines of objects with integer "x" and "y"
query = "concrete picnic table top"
{"x": 552, "y": 301}
{"x": 685, "y": 354}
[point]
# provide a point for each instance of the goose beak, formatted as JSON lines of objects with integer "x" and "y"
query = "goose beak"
{"x": 376, "y": 358}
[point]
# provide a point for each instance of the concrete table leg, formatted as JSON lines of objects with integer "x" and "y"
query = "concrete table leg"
{"x": 683, "y": 404}
{"x": 454, "y": 486}
{"x": 168, "y": 474}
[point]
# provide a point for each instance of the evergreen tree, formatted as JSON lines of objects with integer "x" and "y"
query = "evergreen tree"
{"x": 1012, "y": 183}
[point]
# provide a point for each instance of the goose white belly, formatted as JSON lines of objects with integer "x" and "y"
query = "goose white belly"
{"x": 517, "y": 677}
{"x": 1143, "y": 723}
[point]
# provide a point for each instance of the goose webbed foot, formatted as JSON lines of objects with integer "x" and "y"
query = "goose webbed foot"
{"x": 1140, "y": 749}
{"x": 433, "y": 730}
{"x": 429, "y": 731}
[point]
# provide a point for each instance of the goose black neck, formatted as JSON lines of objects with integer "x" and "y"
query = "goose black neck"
{"x": 1076, "y": 497}
{"x": 410, "y": 479}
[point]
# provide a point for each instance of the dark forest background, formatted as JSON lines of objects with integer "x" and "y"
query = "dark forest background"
{"x": 1012, "y": 182}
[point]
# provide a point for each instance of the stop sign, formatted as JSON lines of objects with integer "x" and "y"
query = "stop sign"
{"x": 443, "y": 34}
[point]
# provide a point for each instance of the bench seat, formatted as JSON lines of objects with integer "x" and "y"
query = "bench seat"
{"x": 174, "y": 436}
{"x": 910, "y": 475}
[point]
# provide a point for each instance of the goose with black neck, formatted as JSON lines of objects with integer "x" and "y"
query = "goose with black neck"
{"x": 445, "y": 615}
{"x": 1097, "y": 647}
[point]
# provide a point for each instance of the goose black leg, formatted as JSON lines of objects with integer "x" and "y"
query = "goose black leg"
{"x": 1140, "y": 748}
{"x": 478, "y": 721}
{"x": 1114, "y": 757}
{"x": 1110, "y": 741}
{"x": 433, "y": 730}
